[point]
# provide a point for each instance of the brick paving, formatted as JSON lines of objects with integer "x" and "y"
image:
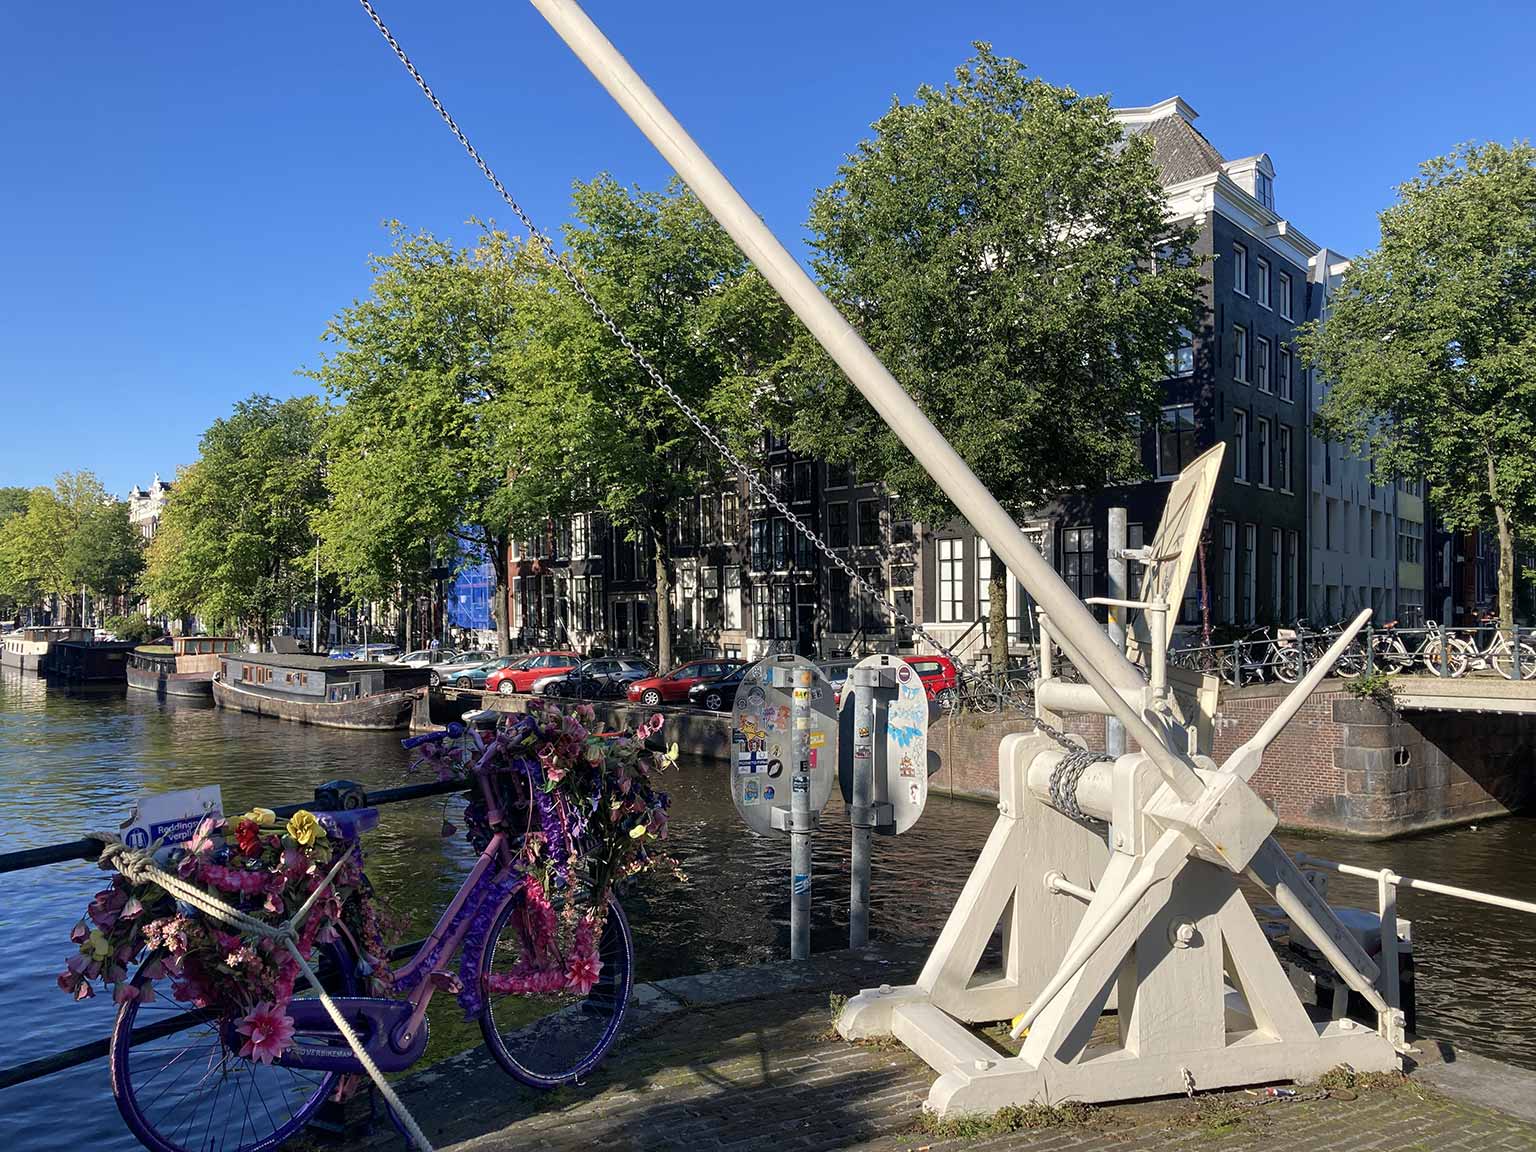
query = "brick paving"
{"x": 704, "y": 1070}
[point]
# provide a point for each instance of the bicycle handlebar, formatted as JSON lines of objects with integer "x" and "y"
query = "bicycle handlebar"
{"x": 452, "y": 732}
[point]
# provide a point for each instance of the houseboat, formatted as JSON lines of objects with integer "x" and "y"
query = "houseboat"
{"x": 184, "y": 668}
{"x": 315, "y": 690}
{"x": 25, "y": 650}
{"x": 88, "y": 661}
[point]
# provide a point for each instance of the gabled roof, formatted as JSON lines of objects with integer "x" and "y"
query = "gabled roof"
{"x": 1178, "y": 147}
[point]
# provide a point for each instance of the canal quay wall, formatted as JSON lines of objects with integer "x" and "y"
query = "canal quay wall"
{"x": 1343, "y": 766}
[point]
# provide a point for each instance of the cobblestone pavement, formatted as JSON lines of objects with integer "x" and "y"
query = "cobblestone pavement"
{"x": 712, "y": 1072}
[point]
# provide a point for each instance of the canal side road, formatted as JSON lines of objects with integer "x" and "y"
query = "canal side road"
{"x": 746, "y": 1059}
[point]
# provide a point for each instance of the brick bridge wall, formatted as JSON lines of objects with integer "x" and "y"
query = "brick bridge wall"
{"x": 1343, "y": 765}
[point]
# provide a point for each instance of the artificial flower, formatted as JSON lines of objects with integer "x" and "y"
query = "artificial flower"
{"x": 247, "y": 836}
{"x": 268, "y": 1032}
{"x": 303, "y": 827}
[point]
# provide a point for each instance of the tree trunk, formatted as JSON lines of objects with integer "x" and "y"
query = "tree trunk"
{"x": 1506, "y": 552}
{"x": 658, "y": 533}
{"x": 501, "y": 608}
{"x": 997, "y": 614}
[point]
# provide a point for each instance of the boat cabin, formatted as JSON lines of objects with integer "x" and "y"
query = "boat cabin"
{"x": 316, "y": 678}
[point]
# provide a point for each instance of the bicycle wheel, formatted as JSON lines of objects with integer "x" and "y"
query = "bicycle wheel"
{"x": 1288, "y": 665}
{"x": 1505, "y": 662}
{"x": 1455, "y": 658}
{"x": 186, "y": 1089}
{"x": 548, "y": 1039}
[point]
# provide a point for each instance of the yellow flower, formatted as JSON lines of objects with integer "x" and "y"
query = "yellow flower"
{"x": 303, "y": 827}
{"x": 101, "y": 948}
{"x": 261, "y": 817}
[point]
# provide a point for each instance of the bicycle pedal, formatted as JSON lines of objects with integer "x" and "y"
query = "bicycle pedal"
{"x": 448, "y": 982}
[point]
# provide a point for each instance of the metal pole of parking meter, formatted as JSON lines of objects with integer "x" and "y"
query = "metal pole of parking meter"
{"x": 861, "y": 812}
{"x": 800, "y": 818}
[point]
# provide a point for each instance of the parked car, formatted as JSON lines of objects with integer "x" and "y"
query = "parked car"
{"x": 521, "y": 677}
{"x": 477, "y": 675}
{"x": 379, "y": 653}
{"x": 836, "y": 672}
{"x": 595, "y": 679}
{"x": 426, "y": 657}
{"x": 462, "y": 662}
{"x": 940, "y": 680}
{"x": 673, "y": 687}
{"x": 719, "y": 694}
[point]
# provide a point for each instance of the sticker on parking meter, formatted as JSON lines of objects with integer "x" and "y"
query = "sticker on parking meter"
{"x": 898, "y": 743}
{"x": 763, "y": 741}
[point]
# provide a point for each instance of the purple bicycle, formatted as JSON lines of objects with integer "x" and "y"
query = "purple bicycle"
{"x": 544, "y": 955}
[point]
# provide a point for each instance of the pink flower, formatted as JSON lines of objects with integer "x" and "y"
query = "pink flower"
{"x": 124, "y": 992}
{"x": 201, "y": 843}
{"x": 268, "y": 1033}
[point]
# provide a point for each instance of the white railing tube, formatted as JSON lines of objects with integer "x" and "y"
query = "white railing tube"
{"x": 1475, "y": 896}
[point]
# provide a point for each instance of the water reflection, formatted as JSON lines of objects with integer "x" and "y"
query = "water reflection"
{"x": 70, "y": 763}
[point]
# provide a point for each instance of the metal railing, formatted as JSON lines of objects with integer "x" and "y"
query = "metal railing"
{"x": 1286, "y": 655}
{"x": 90, "y": 849}
{"x": 1387, "y": 884}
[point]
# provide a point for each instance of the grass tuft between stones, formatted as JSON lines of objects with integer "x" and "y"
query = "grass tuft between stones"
{"x": 1345, "y": 1078}
{"x": 1013, "y": 1118}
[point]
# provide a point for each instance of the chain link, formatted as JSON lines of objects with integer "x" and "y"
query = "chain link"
{"x": 557, "y": 260}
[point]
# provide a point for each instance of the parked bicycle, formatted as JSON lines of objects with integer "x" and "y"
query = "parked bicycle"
{"x": 1498, "y": 654}
{"x": 545, "y": 957}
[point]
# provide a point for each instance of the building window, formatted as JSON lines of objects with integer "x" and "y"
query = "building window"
{"x": 1077, "y": 560}
{"x": 1240, "y": 353}
{"x": 951, "y": 557}
{"x": 1240, "y": 445}
{"x": 709, "y": 519}
{"x": 1228, "y": 571}
{"x": 838, "y": 476}
{"x": 1263, "y": 285}
{"x": 1285, "y": 295}
{"x": 839, "y": 614}
{"x": 1293, "y": 567}
{"x": 1283, "y": 376}
{"x": 687, "y": 596}
{"x": 1276, "y": 599}
{"x": 901, "y": 531}
{"x": 1240, "y": 269}
{"x": 872, "y": 614}
{"x": 1261, "y": 435}
{"x": 780, "y": 544}
{"x": 1283, "y": 451}
{"x": 762, "y": 613}
{"x": 1250, "y": 570}
{"x": 762, "y": 545}
{"x": 1181, "y": 361}
{"x": 579, "y": 535}
{"x": 837, "y": 525}
{"x": 1175, "y": 440}
{"x": 783, "y": 611}
{"x": 1264, "y": 189}
{"x": 1261, "y": 363}
{"x": 802, "y": 481}
{"x": 869, "y": 524}
{"x": 1410, "y": 542}
{"x": 730, "y": 515}
{"x": 732, "y": 575}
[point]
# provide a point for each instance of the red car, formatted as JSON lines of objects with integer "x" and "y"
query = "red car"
{"x": 672, "y": 688}
{"x": 520, "y": 677}
{"x": 938, "y": 676}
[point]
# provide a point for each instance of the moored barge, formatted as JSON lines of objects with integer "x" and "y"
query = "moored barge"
{"x": 88, "y": 661}
{"x": 27, "y": 649}
{"x": 315, "y": 690}
{"x": 185, "y": 668}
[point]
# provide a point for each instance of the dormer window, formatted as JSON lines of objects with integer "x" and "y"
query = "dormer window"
{"x": 1264, "y": 189}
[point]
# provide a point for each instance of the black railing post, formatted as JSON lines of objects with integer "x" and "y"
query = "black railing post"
{"x": 1445, "y": 651}
{"x": 1517, "y": 653}
{"x": 1370, "y": 651}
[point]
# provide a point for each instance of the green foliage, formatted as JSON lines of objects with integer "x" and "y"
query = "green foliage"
{"x": 1430, "y": 346}
{"x": 444, "y": 433}
{"x": 1010, "y": 1118}
{"x": 13, "y": 502}
{"x": 1374, "y": 686}
{"x": 235, "y": 540}
{"x": 994, "y": 243}
{"x": 687, "y": 298}
{"x": 135, "y": 628}
{"x": 68, "y": 537}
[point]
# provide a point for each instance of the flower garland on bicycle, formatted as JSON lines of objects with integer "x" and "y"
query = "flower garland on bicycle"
{"x": 585, "y": 813}
{"x": 266, "y": 869}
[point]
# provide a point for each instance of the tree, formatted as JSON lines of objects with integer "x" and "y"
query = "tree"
{"x": 685, "y": 296}
{"x": 64, "y": 542}
{"x": 1430, "y": 345}
{"x": 1007, "y": 255}
{"x": 13, "y": 502}
{"x": 433, "y": 441}
{"x": 107, "y": 554}
{"x": 236, "y": 538}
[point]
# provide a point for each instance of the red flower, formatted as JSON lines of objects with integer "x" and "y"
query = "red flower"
{"x": 247, "y": 837}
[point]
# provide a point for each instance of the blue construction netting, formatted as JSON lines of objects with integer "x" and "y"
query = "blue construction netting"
{"x": 469, "y": 594}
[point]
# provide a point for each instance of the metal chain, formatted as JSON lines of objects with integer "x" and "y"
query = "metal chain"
{"x": 557, "y": 260}
{"x": 1066, "y": 774}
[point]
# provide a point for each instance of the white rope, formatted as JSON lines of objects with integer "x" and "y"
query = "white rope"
{"x": 139, "y": 867}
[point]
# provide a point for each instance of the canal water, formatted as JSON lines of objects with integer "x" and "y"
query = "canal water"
{"x": 72, "y": 763}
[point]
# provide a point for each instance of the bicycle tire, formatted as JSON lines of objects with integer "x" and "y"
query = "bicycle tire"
{"x": 1288, "y": 666}
{"x": 1505, "y": 662}
{"x": 159, "y": 1128}
{"x": 538, "y": 1042}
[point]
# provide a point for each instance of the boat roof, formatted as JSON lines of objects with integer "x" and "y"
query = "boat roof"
{"x": 310, "y": 663}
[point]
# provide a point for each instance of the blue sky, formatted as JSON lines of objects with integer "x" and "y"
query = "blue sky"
{"x": 192, "y": 190}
